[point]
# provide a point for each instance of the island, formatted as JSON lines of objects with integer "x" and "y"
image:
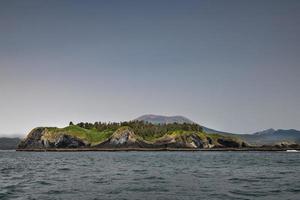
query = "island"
{"x": 135, "y": 135}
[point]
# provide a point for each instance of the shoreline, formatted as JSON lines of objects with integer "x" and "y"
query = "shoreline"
{"x": 154, "y": 149}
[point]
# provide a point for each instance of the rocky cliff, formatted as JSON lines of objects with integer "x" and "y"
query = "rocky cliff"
{"x": 45, "y": 138}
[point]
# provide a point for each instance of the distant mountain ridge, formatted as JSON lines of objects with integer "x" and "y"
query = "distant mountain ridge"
{"x": 265, "y": 137}
{"x": 9, "y": 143}
{"x": 160, "y": 119}
{"x": 272, "y": 136}
{"x": 267, "y": 131}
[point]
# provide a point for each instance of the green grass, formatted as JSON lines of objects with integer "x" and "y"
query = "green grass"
{"x": 215, "y": 136}
{"x": 185, "y": 133}
{"x": 150, "y": 138}
{"x": 92, "y": 136}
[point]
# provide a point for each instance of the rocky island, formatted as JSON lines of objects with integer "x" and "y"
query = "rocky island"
{"x": 140, "y": 134}
{"x": 126, "y": 135}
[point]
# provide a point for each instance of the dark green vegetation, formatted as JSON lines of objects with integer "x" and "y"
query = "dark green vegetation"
{"x": 145, "y": 130}
{"x": 9, "y": 143}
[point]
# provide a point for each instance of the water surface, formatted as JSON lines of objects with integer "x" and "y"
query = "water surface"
{"x": 149, "y": 175}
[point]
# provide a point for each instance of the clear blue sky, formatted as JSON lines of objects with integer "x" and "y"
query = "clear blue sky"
{"x": 229, "y": 65}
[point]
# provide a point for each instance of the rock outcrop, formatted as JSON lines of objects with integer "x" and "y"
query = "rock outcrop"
{"x": 191, "y": 140}
{"x": 40, "y": 138}
{"x": 123, "y": 138}
{"x": 33, "y": 139}
{"x": 231, "y": 143}
{"x": 286, "y": 144}
{"x": 63, "y": 141}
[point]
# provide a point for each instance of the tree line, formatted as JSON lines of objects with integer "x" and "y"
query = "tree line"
{"x": 141, "y": 128}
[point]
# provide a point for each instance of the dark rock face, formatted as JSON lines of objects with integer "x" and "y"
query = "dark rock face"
{"x": 35, "y": 140}
{"x": 124, "y": 138}
{"x": 231, "y": 143}
{"x": 287, "y": 145}
{"x": 197, "y": 141}
{"x": 64, "y": 141}
{"x": 68, "y": 142}
{"x": 183, "y": 141}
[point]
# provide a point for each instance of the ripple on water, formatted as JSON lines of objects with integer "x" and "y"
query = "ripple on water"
{"x": 247, "y": 193}
{"x": 55, "y": 192}
{"x": 100, "y": 180}
{"x": 42, "y": 183}
{"x": 153, "y": 178}
{"x": 241, "y": 180}
{"x": 64, "y": 169}
{"x": 147, "y": 189}
{"x": 11, "y": 191}
{"x": 141, "y": 171}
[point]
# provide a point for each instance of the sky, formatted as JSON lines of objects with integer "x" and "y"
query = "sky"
{"x": 228, "y": 65}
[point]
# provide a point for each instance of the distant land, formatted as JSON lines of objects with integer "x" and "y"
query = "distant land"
{"x": 153, "y": 132}
{"x": 9, "y": 143}
{"x": 268, "y": 137}
{"x": 160, "y": 119}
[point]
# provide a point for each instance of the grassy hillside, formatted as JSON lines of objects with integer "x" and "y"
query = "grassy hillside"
{"x": 92, "y": 136}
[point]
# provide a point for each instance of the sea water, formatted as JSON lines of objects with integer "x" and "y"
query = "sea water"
{"x": 149, "y": 175}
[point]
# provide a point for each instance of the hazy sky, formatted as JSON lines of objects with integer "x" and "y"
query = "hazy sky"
{"x": 229, "y": 65}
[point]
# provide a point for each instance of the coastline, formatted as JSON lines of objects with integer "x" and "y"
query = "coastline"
{"x": 154, "y": 149}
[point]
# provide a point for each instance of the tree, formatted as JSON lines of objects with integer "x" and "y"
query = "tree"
{"x": 71, "y": 124}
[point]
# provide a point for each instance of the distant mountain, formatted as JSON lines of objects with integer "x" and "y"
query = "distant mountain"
{"x": 271, "y": 136}
{"x": 210, "y": 130}
{"x": 160, "y": 119}
{"x": 9, "y": 143}
{"x": 265, "y": 132}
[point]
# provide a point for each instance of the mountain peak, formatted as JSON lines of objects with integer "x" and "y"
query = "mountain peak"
{"x": 267, "y": 131}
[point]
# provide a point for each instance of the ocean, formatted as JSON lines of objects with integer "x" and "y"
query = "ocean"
{"x": 149, "y": 175}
